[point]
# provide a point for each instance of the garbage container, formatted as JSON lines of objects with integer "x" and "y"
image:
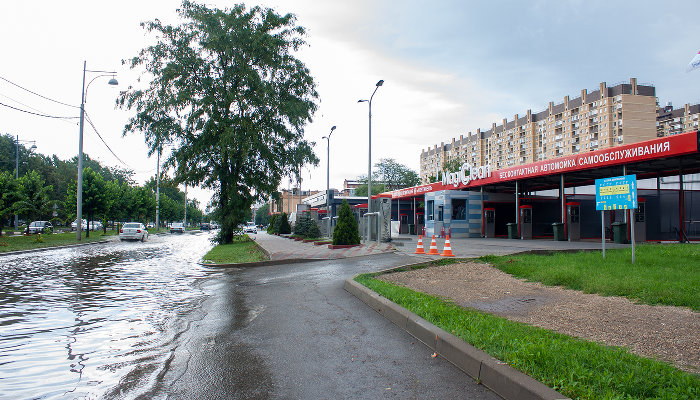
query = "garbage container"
{"x": 512, "y": 230}
{"x": 619, "y": 232}
{"x": 411, "y": 229}
{"x": 558, "y": 228}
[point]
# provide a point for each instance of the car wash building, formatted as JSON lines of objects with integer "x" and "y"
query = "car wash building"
{"x": 555, "y": 198}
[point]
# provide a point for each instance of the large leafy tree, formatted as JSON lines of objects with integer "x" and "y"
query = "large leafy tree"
{"x": 8, "y": 196}
{"x": 96, "y": 199}
{"x": 33, "y": 197}
{"x": 388, "y": 174}
{"x": 229, "y": 94}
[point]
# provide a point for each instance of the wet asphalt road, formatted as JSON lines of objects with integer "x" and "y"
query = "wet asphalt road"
{"x": 145, "y": 320}
{"x": 292, "y": 332}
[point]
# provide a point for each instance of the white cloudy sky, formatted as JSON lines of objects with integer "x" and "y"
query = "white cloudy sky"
{"x": 449, "y": 67}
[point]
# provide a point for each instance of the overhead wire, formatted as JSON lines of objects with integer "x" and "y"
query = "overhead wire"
{"x": 32, "y": 108}
{"x": 87, "y": 117}
{"x": 37, "y": 114}
{"x": 37, "y": 94}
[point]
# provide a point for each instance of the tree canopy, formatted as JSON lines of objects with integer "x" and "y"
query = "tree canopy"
{"x": 387, "y": 175}
{"x": 227, "y": 92}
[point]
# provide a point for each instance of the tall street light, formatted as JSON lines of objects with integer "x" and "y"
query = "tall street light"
{"x": 369, "y": 161}
{"x": 17, "y": 164}
{"x": 79, "y": 220}
{"x": 328, "y": 186}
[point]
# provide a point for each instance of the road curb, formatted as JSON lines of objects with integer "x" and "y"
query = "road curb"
{"x": 496, "y": 375}
{"x": 11, "y": 253}
{"x": 263, "y": 263}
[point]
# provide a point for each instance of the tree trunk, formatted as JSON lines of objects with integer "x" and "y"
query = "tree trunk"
{"x": 87, "y": 231}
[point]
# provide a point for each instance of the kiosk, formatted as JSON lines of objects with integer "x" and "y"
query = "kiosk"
{"x": 526, "y": 222}
{"x": 489, "y": 222}
{"x": 573, "y": 220}
{"x": 640, "y": 224}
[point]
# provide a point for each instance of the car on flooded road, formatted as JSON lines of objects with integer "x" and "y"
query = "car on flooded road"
{"x": 177, "y": 227}
{"x": 133, "y": 231}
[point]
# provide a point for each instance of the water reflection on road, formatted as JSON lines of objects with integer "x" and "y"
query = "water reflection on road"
{"x": 75, "y": 323}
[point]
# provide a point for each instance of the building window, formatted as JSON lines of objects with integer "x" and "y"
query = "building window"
{"x": 429, "y": 208}
{"x": 459, "y": 209}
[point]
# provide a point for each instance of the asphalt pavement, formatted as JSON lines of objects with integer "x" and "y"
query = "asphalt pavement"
{"x": 292, "y": 331}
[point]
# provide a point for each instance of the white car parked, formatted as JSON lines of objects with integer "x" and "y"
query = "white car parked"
{"x": 133, "y": 231}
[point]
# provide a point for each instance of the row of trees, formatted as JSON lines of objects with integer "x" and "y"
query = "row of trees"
{"x": 46, "y": 190}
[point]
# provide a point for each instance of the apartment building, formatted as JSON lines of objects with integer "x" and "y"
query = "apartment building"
{"x": 607, "y": 117}
{"x": 672, "y": 122}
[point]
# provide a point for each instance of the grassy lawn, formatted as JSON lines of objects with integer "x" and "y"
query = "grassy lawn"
{"x": 667, "y": 274}
{"x": 242, "y": 250}
{"x": 574, "y": 367}
{"x": 15, "y": 243}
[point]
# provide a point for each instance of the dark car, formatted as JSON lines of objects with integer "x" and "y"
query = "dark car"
{"x": 39, "y": 227}
{"x": 204, "y": 226}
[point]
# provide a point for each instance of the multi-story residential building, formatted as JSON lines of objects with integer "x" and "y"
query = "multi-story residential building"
{"x": 607, "y": 117}
{"x": 672, "y": 122}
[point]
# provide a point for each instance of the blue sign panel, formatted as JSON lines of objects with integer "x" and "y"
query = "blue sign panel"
{"x": 616, "y": 193}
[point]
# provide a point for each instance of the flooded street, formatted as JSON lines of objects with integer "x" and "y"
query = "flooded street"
{"x": 80, "y": 322}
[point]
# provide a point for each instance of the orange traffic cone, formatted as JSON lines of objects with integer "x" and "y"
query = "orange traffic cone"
{"x": 420, "y": 249}
{"x": 433, "y": 248}
{"x": 447, "y": 251}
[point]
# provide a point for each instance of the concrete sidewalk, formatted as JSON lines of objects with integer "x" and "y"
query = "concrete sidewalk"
{"x": 477, "y": 247}
{"x": 281, "y": 248}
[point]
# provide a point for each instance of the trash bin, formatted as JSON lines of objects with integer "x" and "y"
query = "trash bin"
{"x": 411, "y": 229}
{"x": 558, "y": 228}
{"x": 619, "y": 232}
{"x": 512, "y": 230}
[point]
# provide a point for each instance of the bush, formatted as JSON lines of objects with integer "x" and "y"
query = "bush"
{"x": 346, "y": 231}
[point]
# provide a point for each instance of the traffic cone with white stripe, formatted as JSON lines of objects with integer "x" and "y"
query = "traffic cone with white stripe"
{"x": 447, "y": 251}
{"x": 420, "y": 249}
{"x": 433, "y": 248}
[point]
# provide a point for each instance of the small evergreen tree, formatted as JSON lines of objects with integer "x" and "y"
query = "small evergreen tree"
{"x": 301, "y": 227}
{"x": 346, "y": 231}
{"x": 284, "y": 227}
{"x": 273, "y": 223}
{"x": 313, "y": 231}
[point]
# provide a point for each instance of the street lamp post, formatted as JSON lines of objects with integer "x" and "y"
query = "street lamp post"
{"x": 328, "y": 186}
{"x": 369, "y": 161}
{"x": 83, "y": 94}
{"x": 17, "y": 165}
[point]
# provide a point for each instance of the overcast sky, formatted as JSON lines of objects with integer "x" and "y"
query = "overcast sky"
{"x": 449, "y": 68}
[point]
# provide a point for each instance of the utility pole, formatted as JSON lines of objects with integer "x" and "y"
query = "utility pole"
{"x": 158, "y": 193}
{"x": 184, "y": 222}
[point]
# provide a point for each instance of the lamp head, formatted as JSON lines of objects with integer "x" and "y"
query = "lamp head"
{"x": 333, "y": 128}
{"x": 362, "y": 101}
{"x": 325, "y": 137}
{"x": 32, "y": 148}
{"x": 380, "y": 83}
{"x": 113, "y": 82}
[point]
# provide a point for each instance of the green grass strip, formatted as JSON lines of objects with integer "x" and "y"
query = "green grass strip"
{"x": 29, "y": 242}
{"x": 242, "y": 250}
{"x": 667, "y": 274}
{"x": 574, "y": 367}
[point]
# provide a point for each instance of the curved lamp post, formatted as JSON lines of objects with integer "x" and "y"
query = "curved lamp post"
{"x": 112, "y": 81}
{"x": 328, "y": 187}
{"x": 17, "y": 141}
{"x": 369, "y": 162}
